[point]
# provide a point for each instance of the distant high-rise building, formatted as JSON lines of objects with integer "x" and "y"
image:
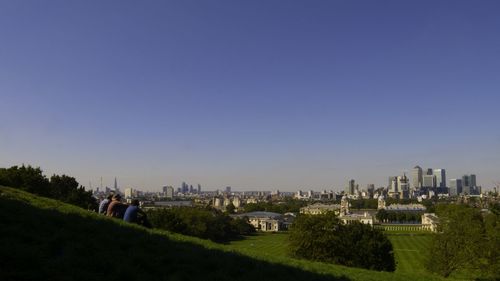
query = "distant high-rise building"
{"x": 455, "y": 187}
{"x": 168, "y": 191}
{"x": 429, "y": 181}
{"x": 191, "y": 189}
{"x": 184, "y": 187}
{"x": 116, "y": 184}
{"x": 469, "y": 184}
{"x": 429, "y": 172}
{"x": 440, "y": 175}
{"x": 404, "y": 187}
{"x": 129, "y": 192}
{"x": 370, "y": 188}
{"x": 199, "y": 189}
{"x": 228, "y": 189}
{"x": 351, "y": 187}
{"x": 417, "y": 179}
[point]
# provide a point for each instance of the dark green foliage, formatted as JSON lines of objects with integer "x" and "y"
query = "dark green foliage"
{"x": 364, "y": 204}
{"x": 467, "y": 240}
{"x": 325, "y": 238}
{"x": 62, "y": 188}
{"x": 289, "y": 205}
{"x": 68, "y": 190}
{"x": 230, "y": 208}
{"x": 203, "y": 223}
{"x": 43, "y": 239}
{"x": 399, "y": 216}
{"x": 26, "y": 178}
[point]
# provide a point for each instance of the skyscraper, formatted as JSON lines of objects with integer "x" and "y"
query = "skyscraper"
{"x": 417, "y": 179}
{"x": 350, "y": 188}
{"x": 469, "y": 184}
{"x": 440, "y": 175}
{"x": 429, "y": 181}
{"x": 404, "y": 187}
{"x": 455, "y": 187}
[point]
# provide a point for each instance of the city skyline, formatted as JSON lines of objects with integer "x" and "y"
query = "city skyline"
{"x": 282, "y": 95}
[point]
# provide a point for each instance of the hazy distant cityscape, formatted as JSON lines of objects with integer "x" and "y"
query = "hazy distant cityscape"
{"x": 419, "y": 184}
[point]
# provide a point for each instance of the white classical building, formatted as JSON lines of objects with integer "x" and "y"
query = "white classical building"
{"x": 430, "y": 222}
{"x": 266, "y": 221}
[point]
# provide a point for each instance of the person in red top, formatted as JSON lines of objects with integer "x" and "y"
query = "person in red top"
{"x": 116, "y": 208}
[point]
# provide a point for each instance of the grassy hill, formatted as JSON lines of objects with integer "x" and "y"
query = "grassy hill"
{"x": 44, "y": 239}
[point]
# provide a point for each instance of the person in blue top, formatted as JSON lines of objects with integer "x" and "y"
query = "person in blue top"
{"x": 134, "y": 214}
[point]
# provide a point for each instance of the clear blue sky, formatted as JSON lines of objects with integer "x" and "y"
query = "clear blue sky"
{"x": 250, "y": 94}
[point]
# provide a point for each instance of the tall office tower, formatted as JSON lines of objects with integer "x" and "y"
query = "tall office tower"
{"x": 185, "y": 187}
{"x": 429, "y": 172}
{"x": 169, "y": 192}
{"x": 191, "y": 189}
{"x": 455, "y": 187}
{"x": 429, "y": 181}
{"x": 228, "y": 189}
{"x": 116, "y": 185}
{"x": 128, "y": 192}
{"x": 440, "y": 178}
{"x": 469, "y": 184}
{"x": 416, "y": 174}
{"x": 351, "y": 187}
{"x": 199, "y": 189}
{"x": 473, "y": 180}
{"x": 371, "y": 189}
{"x": 404, "y": 187}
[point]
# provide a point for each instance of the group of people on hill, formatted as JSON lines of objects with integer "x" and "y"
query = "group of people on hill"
{"x": 112, "y": 206}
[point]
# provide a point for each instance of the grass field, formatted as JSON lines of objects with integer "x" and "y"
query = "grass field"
{"x": 410, "y": 251}
{"x": 409, "y": 248}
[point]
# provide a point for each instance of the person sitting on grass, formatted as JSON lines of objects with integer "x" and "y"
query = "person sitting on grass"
{"x": 116, "y": 208}
{"x": 103, "y": 207}
{"x": 134, "y": 214}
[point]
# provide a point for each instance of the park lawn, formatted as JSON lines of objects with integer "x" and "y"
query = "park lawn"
{"x": 409, "y": 248}
{"x": 266, "y": 244}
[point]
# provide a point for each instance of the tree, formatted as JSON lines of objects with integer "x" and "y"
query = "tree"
{"x": 27, "y": 178}
{"x": 325, "y": 238}
{"x": 63, "y": 188}
{"x": 467, "y": 240}
{"x": 230, "y": 208}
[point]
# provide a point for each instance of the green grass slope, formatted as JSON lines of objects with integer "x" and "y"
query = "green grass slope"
{"x": 44, "y": 239}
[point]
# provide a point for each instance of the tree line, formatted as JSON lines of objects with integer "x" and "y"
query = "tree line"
{"x": 399, "y": 216}
{"x": 59, "y": 187}
{"x": 203, "y": 223}
{"x": 289, "y": 205}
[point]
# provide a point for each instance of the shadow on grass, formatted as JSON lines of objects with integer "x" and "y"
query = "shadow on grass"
{"x": 44, "y": 244}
